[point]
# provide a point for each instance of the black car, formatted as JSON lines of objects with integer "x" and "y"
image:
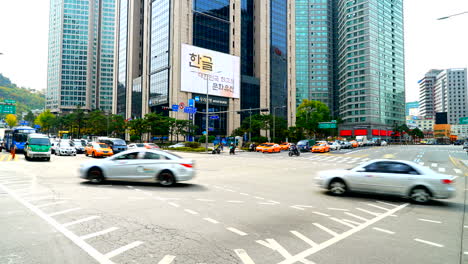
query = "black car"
{"x": 465, "y": 146}
{"x": 458, "y": 142}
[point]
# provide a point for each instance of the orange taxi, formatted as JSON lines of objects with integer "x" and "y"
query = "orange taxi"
{"x": 98, "y": 150}
{"x": 354, "y": 143}
{"x": 260, "y": 147}
{"x": 321, "y": 147}
{"x": 285, "y": 146}
{"x": 272, "y": 148}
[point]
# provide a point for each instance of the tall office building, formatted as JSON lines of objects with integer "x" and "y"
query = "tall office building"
{"x": 426, "y": 93}
{"x": 153, "y": 36}
{"x": 81, "y": 55}
{"x": 350, "y": 55}
{"x": 451, "y": 94}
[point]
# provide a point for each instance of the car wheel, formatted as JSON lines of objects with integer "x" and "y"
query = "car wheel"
{"x": 95, "y": 175}
{"x": 47, "y": 159}
{"x": 166, "y": 178}
{"x": 290, "y": 154}
{"x": 94, "y": 155}
{"x": 420, "y": 195}
{"x": 86, "y": 154}
{"x": 26, "y": 157}
{"x": 337, "y": 187}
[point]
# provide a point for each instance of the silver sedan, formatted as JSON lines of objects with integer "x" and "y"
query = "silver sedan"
{"x": 394, "y": 177}
{"x": 140, "y": 165}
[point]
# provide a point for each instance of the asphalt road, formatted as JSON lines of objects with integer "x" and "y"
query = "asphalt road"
{"x": 248, "y": 208}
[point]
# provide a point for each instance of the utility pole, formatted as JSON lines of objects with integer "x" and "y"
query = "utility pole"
{"x": 250, "y": 124}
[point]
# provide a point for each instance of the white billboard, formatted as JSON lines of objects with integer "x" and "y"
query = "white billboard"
{"x": 203, "y": 69}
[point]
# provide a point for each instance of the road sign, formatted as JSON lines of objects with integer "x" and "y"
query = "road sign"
{"x": 175, "y": 108}
{"x": 190, "y": 110}
{"x": 463, "y": 120}
{"x": 37, "y": 126}
{"x": 333, "y": 121}
{"x": 327, "y": 125}
{"x": 182, "y": 105}
{"x": 210, "y": 129}
{"x": 9, "y": 101}
{"x": 7, "y": 109}
{"x": 197, "y": 98}
{"x": 214, "y": 117}
{"x": 191, "y": 102}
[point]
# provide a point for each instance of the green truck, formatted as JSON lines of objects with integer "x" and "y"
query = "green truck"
{"x": 37, "y": 147}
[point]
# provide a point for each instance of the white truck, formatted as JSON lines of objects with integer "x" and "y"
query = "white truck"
{"x": 361, "y": 140}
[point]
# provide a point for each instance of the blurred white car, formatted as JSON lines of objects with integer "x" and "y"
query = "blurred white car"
{"x": 65, "y": 148}
{"x": 383, "y": 143}
{"x": 395, "y": 177}
{"x": 143, "y": 145}
{"x": 178, "y": 145}
{"x": 335, "y": 146}
{"x": 140, "y": 165}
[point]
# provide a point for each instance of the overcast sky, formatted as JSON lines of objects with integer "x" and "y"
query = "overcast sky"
{"x": 429, "y": 43}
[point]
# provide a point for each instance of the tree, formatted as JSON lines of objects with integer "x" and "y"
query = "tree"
{"x": 95, "y": 123}
{"x": 416, "y": 133}
{"x": 138, "y": 127}
{"x": 30, "y": 117}
{"x": 78, "y": 117}
{"x": 116, "y": 125}
{"x": 158, "y": 124}
{"x": 46, "y": 120}
{"x": 309, "y": 114}
{"x": 11, "y": 120}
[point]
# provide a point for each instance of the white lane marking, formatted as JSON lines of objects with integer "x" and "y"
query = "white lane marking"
{"x": 280, "y": 249}
{"x": 40, "y": 198}
{"x": 457, "y": 171}
{"x": 120, "y": 250}
{"x": 326, "y": 229}
{"x": 74, "y": 238}
{"x": 136, "y": 198}
{"x": 351, "y": 222}
{"x": 190, "y": 211}
{"x": 244, "y": 194}
{"x": 366, "y": 211}
{"x": 428, "y": 242}
{"x": 16, "y": 182}
{"x": 48, "y": 204}
{"x": 342, "y": 222}
{"x": 268, "y": 203}
{"x": 266, "y": 244}
{"x": 304, "y": 238}
{"x": 244, "y": 257}
{"x": 441, "y": 169}
{"x": 102, "y": 232}
{"x": 434, "y": 164}
{"x": 174, "y": 204}
{"x": 384, "y": 230}
{"x": 229, "y": 190}
{"x": 301, "y": 207}
{"x": 167, "y": 259}
{"x": 340, "y": 237}
{"x": 387, "y": 203}
{"x": 338, "y": 209}
{"x": 211, "y": 220}
{"x": 237, "y": 231}
{"x": 102, "y": 198}
{"x": 235, "y": 201}
{"x": 319, "y": 213}
{"x": 380, "y": 207}
{"x": 430, "y": 221}
{"x": 260, "y": 198}
{"x": 205, "y": 200}
{"x": 64, "y": 211}
{"x": 34, "y": 193}
{"x": 81, "y": 220}
{"x": 357, "y": 216}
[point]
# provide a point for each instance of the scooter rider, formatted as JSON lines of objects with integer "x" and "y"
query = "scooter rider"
{"x": 293, "y": 150}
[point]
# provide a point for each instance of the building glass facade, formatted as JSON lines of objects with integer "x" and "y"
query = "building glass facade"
{"x": 159, "y": 62}
{"x": 314, "y": 50}
{"x": 211, "y": 24}
{"x": 370, "y": 62}
{"x": 81, "y": 53}
{"x": 136, "y": 97}
{"x": 122, "y": 70}
{"x": 278, "y": 57}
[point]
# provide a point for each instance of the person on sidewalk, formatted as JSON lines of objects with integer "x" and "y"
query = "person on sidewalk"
{"x": 13, "y": 152}
{"x": 232, "y": 149}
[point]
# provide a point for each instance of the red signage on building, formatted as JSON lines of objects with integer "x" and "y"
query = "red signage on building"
{"x": 375, "y": 132}
{"x": 344, "y": 133}
{"x": 360, "y": 132}
{"x": 383, "y": 132}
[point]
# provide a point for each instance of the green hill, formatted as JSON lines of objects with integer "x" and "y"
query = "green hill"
{"x": 26, "y": 99}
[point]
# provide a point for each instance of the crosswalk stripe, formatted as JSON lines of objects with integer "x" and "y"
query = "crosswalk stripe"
{"x": 457, "y": 171}
{"x": 441, "y": 169}
{"x": 2, "y": 157}
{"x": 9, "y": 158}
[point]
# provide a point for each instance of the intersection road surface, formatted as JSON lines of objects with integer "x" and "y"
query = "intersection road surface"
{"x": 249, "y": 208}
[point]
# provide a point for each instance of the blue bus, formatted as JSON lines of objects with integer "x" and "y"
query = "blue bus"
{"x": 17, "y": 136}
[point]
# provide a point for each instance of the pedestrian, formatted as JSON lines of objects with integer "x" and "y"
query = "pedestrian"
{"x": 232, "y": 149}
{"x": 222, "y": 146}
{"x": 13, "y": 152}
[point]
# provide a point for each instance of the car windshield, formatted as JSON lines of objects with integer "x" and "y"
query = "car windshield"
{"x": 302, "y": 142}
{"x": 119, "y": 142}
{"x": 140, "y": 145}
{"x": 101, "y": 145}
{"x": 20, "y": 137}
{"x": 39, "y": 141}
{"x": 65, "y": 144}
{"x": 151, "y": 144}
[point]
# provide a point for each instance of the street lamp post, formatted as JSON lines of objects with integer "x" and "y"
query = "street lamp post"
{"x": 207, "y": 114}
{"x": 250, "y": 124}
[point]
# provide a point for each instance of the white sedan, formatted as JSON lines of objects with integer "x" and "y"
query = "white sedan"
{"x": 140, "y": 165}
{"x": 395, "y": 177}
{"x": 335, "y": 146}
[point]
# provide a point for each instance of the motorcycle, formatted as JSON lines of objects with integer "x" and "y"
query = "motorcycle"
{"x": 293, "y": 151}
{"x": 217, "y": 150}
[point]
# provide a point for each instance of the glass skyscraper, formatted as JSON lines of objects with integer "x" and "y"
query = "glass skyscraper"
{"x": 81, "y": 55}
{"x": 350, "y": 55}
